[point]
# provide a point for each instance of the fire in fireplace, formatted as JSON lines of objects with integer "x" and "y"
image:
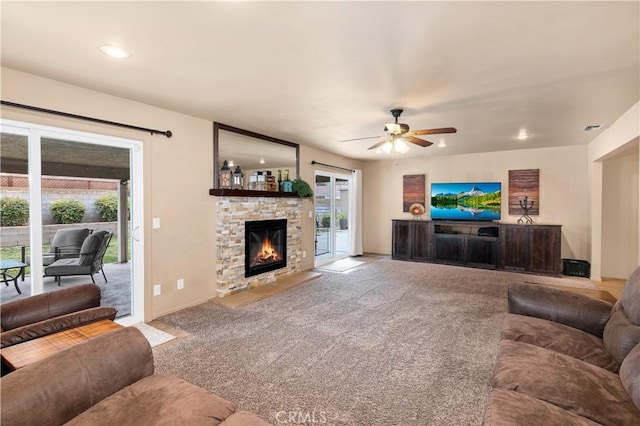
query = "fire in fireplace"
{"x": 265, "y": 246}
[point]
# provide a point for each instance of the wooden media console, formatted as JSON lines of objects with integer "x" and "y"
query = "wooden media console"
{"x": 493, "y": 245}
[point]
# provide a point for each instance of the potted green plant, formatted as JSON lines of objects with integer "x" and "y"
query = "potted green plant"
{"x": 342, "y": 220}
{"x": 302, "y": 188}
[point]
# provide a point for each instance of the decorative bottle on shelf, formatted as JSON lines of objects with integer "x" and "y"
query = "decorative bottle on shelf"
{"x": 287, "y": 185}
{"x": 279, "y": 180}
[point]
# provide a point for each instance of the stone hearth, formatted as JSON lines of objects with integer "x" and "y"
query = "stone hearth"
{"x": 231, "y": 214}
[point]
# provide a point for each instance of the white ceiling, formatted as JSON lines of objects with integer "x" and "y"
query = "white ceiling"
{"x": 315, "y": 73}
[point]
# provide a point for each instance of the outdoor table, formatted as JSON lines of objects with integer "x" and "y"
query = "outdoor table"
{"x": 5, "y": 271}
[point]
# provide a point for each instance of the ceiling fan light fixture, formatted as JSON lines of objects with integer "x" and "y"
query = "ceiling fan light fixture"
{"x": 401, "y": 146}
{"x": 398, "y": 136}
{"x": 387, "y": 147}
{"x": 393, "y": 129}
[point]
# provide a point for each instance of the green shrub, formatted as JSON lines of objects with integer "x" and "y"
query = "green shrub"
{"x": 326, "y": 220}
{"x": 14, "y": 211}
{"x": 108, "y": 208}
{"x": 67, "y": 211}
{"x": 341, "y": 216}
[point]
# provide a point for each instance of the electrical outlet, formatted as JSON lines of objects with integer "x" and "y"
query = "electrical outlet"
{"x": 304, "y": 253}
{"x": 156, "y": 223}
{"x": 180, "y": 284}
{"x": 157, "y": 290}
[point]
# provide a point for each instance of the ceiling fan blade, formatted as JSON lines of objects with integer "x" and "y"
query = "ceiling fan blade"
{"x": 433, "y": 131}
{"x": 379, "y": 144}
{"x": 360, "y": 139}
{"x": 417, "y": 141}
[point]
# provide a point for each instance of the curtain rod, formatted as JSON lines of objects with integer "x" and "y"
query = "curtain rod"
{"x": 329, "y": 165}
{"x": 167, "y": 133}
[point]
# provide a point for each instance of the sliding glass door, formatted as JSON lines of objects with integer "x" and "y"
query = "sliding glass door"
{"x": 331, "y": 213}
{"x": 74, "y": 181}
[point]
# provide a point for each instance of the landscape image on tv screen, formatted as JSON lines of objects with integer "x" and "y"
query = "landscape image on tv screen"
{"x": 466, "y": 201}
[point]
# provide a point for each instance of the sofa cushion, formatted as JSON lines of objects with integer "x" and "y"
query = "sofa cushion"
{"x": 48, "y": 305}
{"x": 54, "y": 325}
{"x": 620, "y": 334}
{"x": 68, "y": 239}
{"x": 560, "y": 338}
{"x": 630, "y": 375}
{"x": 571, "y": 384}
{"x": 89, "y": 248}
{"x": 158, "y": 400}
{"x": 508, "y": 408}
{"x": 67, "y": 267}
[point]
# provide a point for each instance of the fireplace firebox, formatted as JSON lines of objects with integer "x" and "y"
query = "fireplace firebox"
{"x": 265, "y": 246}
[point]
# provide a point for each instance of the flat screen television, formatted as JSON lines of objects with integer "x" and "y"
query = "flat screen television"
{"x": 466, "y": 201}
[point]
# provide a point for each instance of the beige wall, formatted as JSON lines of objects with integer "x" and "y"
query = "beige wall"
{"x": 620, "y": 216}
{"x": 178, "y": 173}
{"x": 616, "y": 138}
{"x": 564, "y": 194}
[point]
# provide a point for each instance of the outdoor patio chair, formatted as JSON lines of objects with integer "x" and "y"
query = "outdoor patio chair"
{"x": 66, "y": 244}
{"x": 88, "y": 263}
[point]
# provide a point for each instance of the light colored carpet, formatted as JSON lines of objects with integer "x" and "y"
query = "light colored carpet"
{"x": 154, "y": 336}
{"x": 391, "y": 343}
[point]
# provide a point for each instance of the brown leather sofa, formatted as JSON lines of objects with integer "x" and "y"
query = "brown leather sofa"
{"x": 567, "y": 359}
{"x": 48, "y": 313}
{"x": 110, "y": 380}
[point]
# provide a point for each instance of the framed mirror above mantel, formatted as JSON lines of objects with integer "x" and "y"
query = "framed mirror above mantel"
{"x": 254, "y": 153}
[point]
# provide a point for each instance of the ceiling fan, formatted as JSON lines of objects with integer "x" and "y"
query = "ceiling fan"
{"x": 400, "y": 132}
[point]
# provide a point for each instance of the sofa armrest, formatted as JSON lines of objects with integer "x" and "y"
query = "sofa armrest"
{"x": 553, "y": 304}
{"x": 54, "y": 325}
{"x": 58, "y": 388}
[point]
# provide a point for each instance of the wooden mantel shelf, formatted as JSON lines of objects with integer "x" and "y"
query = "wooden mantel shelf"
{"x": 246, "y": 193}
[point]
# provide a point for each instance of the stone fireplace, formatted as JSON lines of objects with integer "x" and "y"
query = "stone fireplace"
{"x": 232, "y": 214}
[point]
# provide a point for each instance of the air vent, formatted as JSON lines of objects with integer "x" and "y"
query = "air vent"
{"x": 593, "y": 127}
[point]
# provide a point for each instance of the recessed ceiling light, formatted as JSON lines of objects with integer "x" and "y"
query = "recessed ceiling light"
{"x": 523, "y": 135}
{"x": 115, "y": 51}
{"x": 442, "y": 144}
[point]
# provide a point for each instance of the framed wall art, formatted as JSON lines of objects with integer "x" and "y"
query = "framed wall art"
{"x": 524, "y": 185}
{"x": 413, "y": 191}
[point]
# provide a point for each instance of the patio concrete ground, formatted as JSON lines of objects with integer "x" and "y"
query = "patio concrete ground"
{"x": 115, "y": 292}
